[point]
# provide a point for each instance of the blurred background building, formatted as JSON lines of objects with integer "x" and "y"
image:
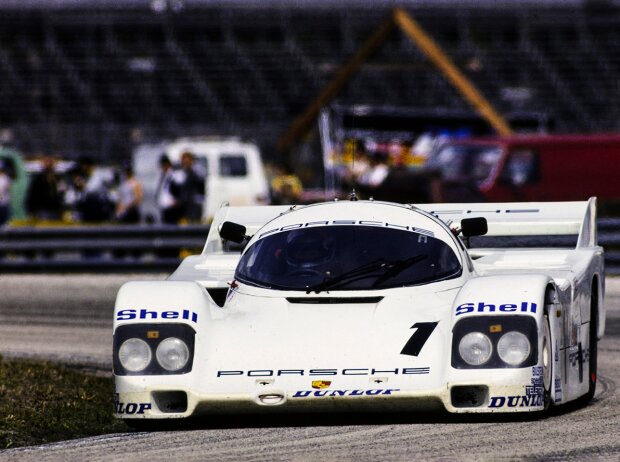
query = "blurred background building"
{"x": 98, "y": 77}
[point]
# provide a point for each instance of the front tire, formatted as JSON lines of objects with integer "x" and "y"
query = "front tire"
{"x": 547, "y": 363}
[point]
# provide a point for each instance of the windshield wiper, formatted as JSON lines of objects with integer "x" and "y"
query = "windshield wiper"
{"x": 388, "y": 269}
{"x": 355, "y": 274}
{"x": 398, "y": 267}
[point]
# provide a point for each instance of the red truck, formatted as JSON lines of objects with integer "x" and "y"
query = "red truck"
{"x": 531, "y": 168}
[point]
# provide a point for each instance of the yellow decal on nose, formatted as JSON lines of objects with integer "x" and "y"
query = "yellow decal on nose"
{"x": 320, "y": 384}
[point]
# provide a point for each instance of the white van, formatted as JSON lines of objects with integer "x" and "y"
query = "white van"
{"x": 232, "y": 168}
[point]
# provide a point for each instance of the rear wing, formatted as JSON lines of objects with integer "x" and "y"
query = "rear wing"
{"x": 505, "y": 219}
{"x": 522, "y": 219}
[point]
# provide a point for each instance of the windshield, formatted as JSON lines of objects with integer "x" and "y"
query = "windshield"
{"x": 233, "y": 165}
{"x": 467, "y": 163}
{"x": 346, "y": 258}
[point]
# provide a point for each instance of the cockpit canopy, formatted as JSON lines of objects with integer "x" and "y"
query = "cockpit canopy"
{"x": 334, "y": 257}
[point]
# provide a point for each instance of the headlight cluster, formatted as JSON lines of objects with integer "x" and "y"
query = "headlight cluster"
{"x": 153, "y": 349}
{"x": 494, "y": 342}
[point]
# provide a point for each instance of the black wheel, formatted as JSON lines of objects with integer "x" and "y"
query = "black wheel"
{"x": 547, "y": 363}
{"x": 593, "y": 352}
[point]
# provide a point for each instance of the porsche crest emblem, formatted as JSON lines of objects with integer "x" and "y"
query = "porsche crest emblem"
{"x": 320, "y": 384}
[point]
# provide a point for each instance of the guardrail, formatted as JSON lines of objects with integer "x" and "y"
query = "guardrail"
{"x": 118, "y": 248}
{"x": 609, "y": 238}
{"x": 150, "y": 248}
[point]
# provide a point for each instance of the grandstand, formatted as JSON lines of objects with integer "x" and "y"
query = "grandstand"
{"x": 97, "y": 79}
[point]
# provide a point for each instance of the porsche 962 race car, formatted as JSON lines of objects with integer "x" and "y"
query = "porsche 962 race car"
{"x": 365, "y": 305}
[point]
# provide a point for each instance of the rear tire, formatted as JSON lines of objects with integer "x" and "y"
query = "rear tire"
{"x": 593, "y": 352}
{"x": 547, "y": 363}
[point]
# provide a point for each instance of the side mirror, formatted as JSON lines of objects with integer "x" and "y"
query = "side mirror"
{"x": 233, "y": 232}
{"x": 474, "y": 226}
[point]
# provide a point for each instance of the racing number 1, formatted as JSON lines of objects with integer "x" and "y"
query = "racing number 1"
{"x": 418, "y": 339}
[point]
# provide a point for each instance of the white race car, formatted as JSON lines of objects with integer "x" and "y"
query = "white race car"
{"x": 365, "y": 305}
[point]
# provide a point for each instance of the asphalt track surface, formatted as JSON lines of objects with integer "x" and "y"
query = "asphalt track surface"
{"x": 68, "y": 318}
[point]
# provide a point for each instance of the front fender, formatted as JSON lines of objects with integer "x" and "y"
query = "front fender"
{"x": 509, "y": 294}
{"x": 151, "y": 311}
{"x": 184, "y": 302}
{"x": 506, "y": 300}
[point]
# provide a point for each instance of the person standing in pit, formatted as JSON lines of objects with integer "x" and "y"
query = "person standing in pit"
{"x": 5, "y": 195}
{"x": 129, "y": 197}
{"x": 167, "y": 193}
{"x": 44, "y": 199}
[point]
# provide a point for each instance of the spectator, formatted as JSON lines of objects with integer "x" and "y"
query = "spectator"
{"x": 129, "y": 197}
{"x": 5, "y": 195}
{"x": 94, "y": 203}
{"x": 357, "y": 164}
{"x": 191, "y": 187}
{"x": 167, "y": 193}
{"x": 286, "y": 187}
{"x": 376, "y": 172}
{"x": 44, "y": 199}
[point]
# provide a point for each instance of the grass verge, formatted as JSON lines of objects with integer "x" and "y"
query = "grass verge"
{"x": 42, "y": 402}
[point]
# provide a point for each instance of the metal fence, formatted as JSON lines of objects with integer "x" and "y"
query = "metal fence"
{"x": 153, "y": 248}
{"x": 156, "y": 248}
{"x": 609, "y": 238}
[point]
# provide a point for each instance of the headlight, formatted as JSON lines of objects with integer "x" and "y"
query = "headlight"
{"x": 513, "y": 348}
{"x": 495, "y": 342}
{"x": 153, "y": 349}
{"x": 134, "y": 354}
{"x": 172, "y": 354}
{"x": 475, "y": 348}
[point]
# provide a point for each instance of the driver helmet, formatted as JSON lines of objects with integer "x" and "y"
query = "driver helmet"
{"x": 308, "y": 249}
